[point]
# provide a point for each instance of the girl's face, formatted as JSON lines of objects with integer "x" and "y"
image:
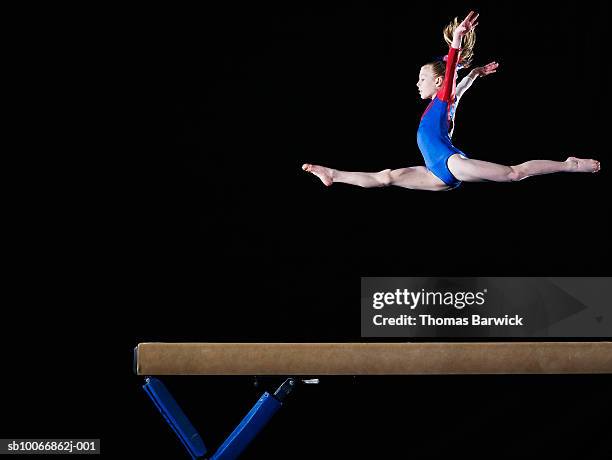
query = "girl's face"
{"x": 428, "y": 84}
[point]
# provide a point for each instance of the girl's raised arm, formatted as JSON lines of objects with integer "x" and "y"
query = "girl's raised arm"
{"x": 448, "y": 88}
{"x": 469, "y": 23}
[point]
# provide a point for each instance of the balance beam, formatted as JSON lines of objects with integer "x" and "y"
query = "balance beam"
{"x": 315, "y": 359}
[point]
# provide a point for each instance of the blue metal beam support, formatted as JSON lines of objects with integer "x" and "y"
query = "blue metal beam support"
{"x": 250, "y": 426}
{"x": 175, "y": 417}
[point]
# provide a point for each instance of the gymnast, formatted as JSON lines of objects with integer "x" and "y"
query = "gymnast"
{"x": 445, "y": 165}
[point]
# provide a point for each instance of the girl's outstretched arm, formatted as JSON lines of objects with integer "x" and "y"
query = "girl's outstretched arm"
{"x": 467, "y": 81}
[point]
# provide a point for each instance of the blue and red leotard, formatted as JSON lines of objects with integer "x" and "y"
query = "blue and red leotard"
{"x": 432, "y": 136}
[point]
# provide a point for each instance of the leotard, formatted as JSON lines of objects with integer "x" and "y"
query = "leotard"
{"x": 432, "y": 136}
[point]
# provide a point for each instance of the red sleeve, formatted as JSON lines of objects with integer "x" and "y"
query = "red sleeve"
{"x": 447, "y": 92}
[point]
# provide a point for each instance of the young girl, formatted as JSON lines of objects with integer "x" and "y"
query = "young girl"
{"x": 445, "y": 165}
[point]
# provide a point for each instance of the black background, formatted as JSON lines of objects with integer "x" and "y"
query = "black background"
{"x": 204, "y": 227}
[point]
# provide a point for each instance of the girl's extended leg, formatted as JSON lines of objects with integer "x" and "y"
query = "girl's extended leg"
{"x": 466, "y": 169}
{"x": 416, "y": 177}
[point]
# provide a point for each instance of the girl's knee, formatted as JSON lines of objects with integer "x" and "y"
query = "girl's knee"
{"x": 385, "y": 178}
{"x": 515, "y": 174}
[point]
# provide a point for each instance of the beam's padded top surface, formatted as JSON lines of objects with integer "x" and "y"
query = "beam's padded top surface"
{"x": 373, "y": 358}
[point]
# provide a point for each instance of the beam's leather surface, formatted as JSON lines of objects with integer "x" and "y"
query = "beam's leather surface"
{"x": 373, "y": 358}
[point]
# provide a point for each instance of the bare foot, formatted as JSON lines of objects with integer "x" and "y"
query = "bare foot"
{"x": 323, "y": 173}
{"x": 582, "y": 165}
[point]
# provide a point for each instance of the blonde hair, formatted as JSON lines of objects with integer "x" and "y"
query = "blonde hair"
{"x": 467, "y": 50}
{"x": 469, "y": 41}
{"x": 438, "y": 68}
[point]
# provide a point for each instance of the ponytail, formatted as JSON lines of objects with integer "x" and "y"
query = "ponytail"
{"x": 469, "y": 41}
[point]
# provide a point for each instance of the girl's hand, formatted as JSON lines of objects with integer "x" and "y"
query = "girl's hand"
{"x": 469, "y": 23}
{"x": 488, "y": 69}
